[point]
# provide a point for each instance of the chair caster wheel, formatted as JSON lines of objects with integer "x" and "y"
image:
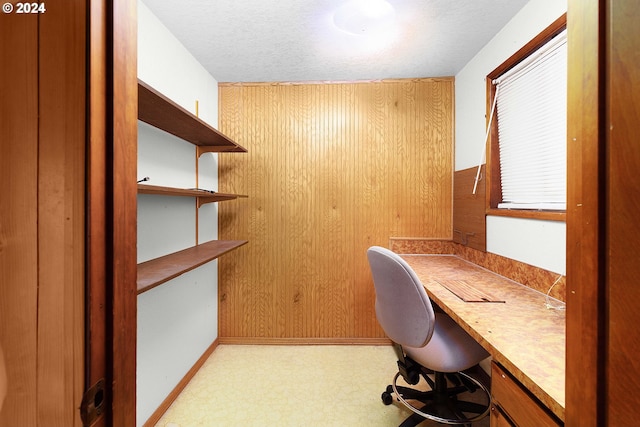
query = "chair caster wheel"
{"x": 387, "y": 399}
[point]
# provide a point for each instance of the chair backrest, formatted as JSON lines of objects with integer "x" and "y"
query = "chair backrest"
{"x": 403, "y": 307}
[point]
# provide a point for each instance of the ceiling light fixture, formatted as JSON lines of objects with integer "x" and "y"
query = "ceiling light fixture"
{"x": 364, "y": 17}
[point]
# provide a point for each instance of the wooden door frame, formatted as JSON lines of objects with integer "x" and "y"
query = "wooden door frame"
{"x": 586, "y": 204}
{"x": 96, "y": 262}
{"x": 123, "y": 197}
{"x": 111, "y": 208}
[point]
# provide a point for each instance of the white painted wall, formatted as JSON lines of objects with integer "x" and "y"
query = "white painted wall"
{"x": 534, "y": 242}
{"x": 178, "y": 320}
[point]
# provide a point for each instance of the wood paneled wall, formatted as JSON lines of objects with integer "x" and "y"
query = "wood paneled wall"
{"x": 469, "y": 218}
{"x": 331, "y": 169}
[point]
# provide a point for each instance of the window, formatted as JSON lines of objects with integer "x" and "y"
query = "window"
{"x": 527, "y": 162}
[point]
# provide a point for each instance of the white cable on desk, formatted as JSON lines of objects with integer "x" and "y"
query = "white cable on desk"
{"x": 548, "y": 297}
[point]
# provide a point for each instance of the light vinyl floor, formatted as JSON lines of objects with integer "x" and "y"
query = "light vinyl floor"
{"x": 263, "y": 385}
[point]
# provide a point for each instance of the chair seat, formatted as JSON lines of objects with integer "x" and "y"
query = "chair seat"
{"x": 451, "y": 348}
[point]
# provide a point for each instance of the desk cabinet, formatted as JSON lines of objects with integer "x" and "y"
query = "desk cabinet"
{"x": 513, "y": 405}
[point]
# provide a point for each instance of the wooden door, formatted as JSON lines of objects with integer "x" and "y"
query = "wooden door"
{"x": 42, "y": 134}
{"x": 622, "y": 212}
{"x": 18, "y": 214}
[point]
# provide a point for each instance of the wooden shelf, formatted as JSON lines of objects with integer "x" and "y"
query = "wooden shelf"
{"x": 160, "y": 270}
{"x": 202, "y": 196}
{"x": 161, "y": 112}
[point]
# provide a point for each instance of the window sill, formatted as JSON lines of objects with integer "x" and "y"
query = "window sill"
{"x": 530, "y": 214}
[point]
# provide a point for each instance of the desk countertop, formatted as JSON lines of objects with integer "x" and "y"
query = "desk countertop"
{"x": 521, "y": 334}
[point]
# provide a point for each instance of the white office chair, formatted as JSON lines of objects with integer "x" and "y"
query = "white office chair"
{"x": 428, "y": 343}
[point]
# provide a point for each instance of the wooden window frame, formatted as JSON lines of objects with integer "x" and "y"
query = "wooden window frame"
{"x": 494, "y": 191}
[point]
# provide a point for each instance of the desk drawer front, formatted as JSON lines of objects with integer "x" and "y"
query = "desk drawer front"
{"x": 498, "y": 418}
{"x": 516, "y": 402}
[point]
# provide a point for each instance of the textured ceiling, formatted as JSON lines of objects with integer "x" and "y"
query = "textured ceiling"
{"x": 296, "y": 40}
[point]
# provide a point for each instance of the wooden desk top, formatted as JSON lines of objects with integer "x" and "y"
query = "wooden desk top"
{"x": 521, "y": 334}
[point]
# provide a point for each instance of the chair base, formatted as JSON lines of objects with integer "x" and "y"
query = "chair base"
{"x": 441, "y": 403}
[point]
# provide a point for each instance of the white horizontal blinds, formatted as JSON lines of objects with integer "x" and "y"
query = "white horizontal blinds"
{"x": 532, "y": 128}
